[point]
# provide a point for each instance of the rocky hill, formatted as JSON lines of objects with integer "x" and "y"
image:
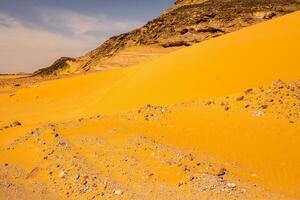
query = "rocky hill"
{"x": 186, "y": 23}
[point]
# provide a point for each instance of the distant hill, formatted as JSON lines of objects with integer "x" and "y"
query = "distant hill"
{"x": 186, "y": 23}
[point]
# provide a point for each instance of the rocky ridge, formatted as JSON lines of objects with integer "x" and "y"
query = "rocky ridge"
{"x": 187, "y": 23}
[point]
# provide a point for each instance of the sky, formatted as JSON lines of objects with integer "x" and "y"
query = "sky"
{"x": 34, "y": 33}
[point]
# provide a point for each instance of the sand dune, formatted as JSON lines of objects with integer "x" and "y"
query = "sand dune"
{"x": 98, "y": 126}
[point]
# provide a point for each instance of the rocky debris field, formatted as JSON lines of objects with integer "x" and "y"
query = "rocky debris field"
{"x": 113, "y": 157}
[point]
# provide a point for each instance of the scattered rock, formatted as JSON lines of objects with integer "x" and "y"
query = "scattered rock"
{"x": 264, "y": 106}
{"x": 84, "y": 182}
{"x": 254, "y": 175}
{"x": 180, "y": 184}
{"x": 226, "y": 108}
{"x": 16, "y": 123}
{"x": 240, "y": 98}
{"x": 118, "y": 192}
{"x": 231, "y": 185}
{"x": 246, "y": 105}
{"x": 222, "y": 172}
{"x": 278, "y": 83}
{"x": 243, "y": 190}
{"x": 209, "y": 103}
{"x": 62, "y": 144}
{"x": 248, "y": 90}
{"x": 63, "y": 174}
{"x": 258, "y": 113}
{"x": 77, "y": 176}
{"x": 184, "y": 31}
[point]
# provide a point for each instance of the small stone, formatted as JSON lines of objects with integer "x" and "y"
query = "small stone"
{"x": 222, "y": 172}
{"x": 184, "y": 31}
{"x": 231, "y": 185}
{"x": 248, "y": 90}
{"x": 16, "y": 123}
{"x": 253, "y": 174}
{"x": 84, "y": 182}
{"x": 226, "y": 108}
{"x": 264, "y": 106}
{"x": 246, "y": 105}
{"x": 62, "y": 144}
{"x": 180, "y": 184}
{"x": 118, "y": 192}
{"x": 77, "y": 176}
{"x": 258, "y": 113}
{"x": 80, "y": 119}
{"x": 209, "y": 103}
{"x": 63, "y": 174}
{"x": 240, "y": 98}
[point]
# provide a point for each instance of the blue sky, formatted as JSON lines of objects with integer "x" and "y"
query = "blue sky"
{"x": 33, "y": 33}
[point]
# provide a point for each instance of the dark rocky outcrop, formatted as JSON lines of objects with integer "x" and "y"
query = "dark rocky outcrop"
{"x": 59, "y": 64}
{"x": 187, "y": 23}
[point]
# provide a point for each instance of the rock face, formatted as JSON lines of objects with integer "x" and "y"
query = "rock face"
{"x": 58, "y": 66}
{"x": 186, "y": 23}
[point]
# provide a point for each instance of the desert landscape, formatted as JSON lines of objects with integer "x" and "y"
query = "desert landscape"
{"x": 207, "y": 107}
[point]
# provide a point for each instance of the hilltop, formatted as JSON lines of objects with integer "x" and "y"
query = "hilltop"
{"x": 188, "y": 22}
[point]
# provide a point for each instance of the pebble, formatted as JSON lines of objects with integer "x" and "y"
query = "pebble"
{"x": 246, "y": 105}
{"x": 240, "y": 98}
{"x": 248, "y": 90}
{"x": 16, "y": 123}
{"x": 258, "y": 113}
{"x": 63, "y": 174}
{"x": 226, "y": 108}
{"x": 222, "y": 172}
{"x": 77, "y": 176}
{"x": 118, "y": 192}
{"x": 231, "y": 185}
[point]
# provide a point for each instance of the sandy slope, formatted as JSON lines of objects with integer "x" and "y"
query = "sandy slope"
{"x": 97, "y": 125}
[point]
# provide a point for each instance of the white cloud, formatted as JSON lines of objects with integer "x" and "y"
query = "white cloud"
{"x": 79, "y": 24}
{"x": 23, "y": 48}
